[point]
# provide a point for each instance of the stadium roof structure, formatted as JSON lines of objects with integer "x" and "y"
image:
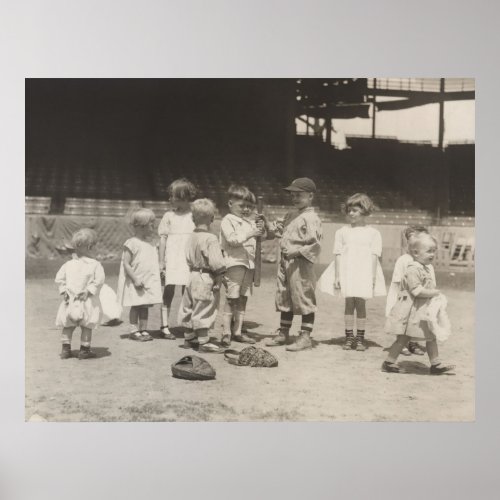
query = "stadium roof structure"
{"x": 355, "y": 97}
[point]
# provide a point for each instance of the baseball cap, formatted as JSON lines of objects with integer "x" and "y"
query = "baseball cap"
{"x": 302, "y": 184}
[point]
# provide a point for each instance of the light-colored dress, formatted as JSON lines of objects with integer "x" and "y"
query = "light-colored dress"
{"x": 356, "y": 247}
{"x": 111, "y": 309}
{"x": 296, "y": 281}
{"x": 200, "y": 301}
{"x": 409, "y": 315}
{"x": 76, "y": 276}
{"x": 145, "y": 266}
{"x": 399, "y": 271}
{"x": 176, "y": 228}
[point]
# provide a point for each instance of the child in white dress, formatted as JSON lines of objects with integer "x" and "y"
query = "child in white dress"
{"x": 357, "y": 271}
{"x": 397, "y": 275}
{"x": 139, "y": 279}
{"x": 79, "y": 281}
{"x": 174, "y": 230}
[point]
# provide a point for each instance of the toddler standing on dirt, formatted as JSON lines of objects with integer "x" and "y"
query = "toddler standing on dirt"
{"x": 406, "y": 319}
{"x": 79, "y": 281}
{"x": 397, "y": 275}
{"x": 237, "y": 239}
{"x": 139, "y": 279}
{"x": 300, "y": 235}
{"x": 200, "y": 300}
{"x": 174, "y": 230}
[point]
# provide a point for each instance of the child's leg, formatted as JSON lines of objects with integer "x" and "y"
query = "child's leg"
{"x": 85, "y": 339}
{"x": 304, "y": 341}
{"x": 349, "y": 323}
{"x": 143, "y": 319}
{"x": 389, "y": 365}
{"x": 360, "y": 307}
{"x": 437, "y": 368}
{"x": 168, "y": 295}
{"x": 134, "y": 319}
{"x": 203, "y": 341}
{"x": 228, "y": 314}
{"x": 239, "y": 317}
{"x": 66, "y": 335}
{"x": 286, "y": 320}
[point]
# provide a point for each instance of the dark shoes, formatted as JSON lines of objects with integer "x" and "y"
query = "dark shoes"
{"x": 280, "y": 339}
{"x": 302, "y": 343}
{"x": 209, "y": 347}
{"x": 225, "y": 341}
{"x": 86, "y": 353}
{"x": 66, "y": 351}
{"x": 439, "y": 369}
{"x": 349, "y": 342}
{"x": 167, "y": 334}
{"x": 245, "y": 339}
{"x": 359, "y": 344}
{"x": 389, "y": 367}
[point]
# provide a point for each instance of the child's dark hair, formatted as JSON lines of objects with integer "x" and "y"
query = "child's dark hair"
{"x": 182, "y": 189}
{"x": 410, "y": 230}
{"x": 361, "y": 200}
{"x": 237, "y": 192}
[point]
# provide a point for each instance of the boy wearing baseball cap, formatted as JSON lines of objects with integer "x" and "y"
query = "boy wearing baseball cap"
{"x": 300, "y": 235}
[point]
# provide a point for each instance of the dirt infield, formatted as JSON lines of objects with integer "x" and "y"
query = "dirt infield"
{"x": 132, "y": 381}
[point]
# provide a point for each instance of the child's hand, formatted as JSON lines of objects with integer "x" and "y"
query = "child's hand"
{"x": 138, "y": 284}
{"x": 336, "y": 284}
{"x": 65, "y": 297}
{"x": 290, "y": 254}
{"x": 84, "y": 295}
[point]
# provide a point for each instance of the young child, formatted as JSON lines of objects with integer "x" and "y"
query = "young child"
{"x": 397, "y": 275}
{"x": 417, "y": 288}
{"x": 139, "y": 279}
{"x": 79, "y": 281}
{"x": 174, "y": 230}
{"x": 300, "y": 235}
{"x": 358, "y": 274}
{"x": 200, "y": 300}
{"x": 237, "y": 239}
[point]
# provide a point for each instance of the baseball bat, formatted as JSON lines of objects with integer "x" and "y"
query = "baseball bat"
{"x": 258, "y": 248}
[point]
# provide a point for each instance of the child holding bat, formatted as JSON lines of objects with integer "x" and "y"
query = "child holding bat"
{"x": 300, "y": 235}
{"x": 237, "y": 239}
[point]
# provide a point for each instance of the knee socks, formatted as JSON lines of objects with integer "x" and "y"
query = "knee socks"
{"x": 286, "y": 320}
{"x": 307, "y": 322}
{"x": 349, "y": 324}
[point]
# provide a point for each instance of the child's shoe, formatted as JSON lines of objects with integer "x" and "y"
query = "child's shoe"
{"x": 86, "y": 353}
{"x": 280, "y": 339}
{"x": 190, "y": 344}
{"x": 167, "y": 334}
{"x": 359, "y": 344}
{"x": 225, "y": 341}
{"x": 415, "y": 348}
{"x": 439, "y": 369}
{"x": 209, "y": 347}
{"x": 66, "y": 351}
{"x": 349, "y": 342}
{"x": 389, "y": 367}
{"x": 302, "y": 343}
{"x": 245, "y": 339}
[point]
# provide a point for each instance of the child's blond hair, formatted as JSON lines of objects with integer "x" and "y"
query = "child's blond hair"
{"x": 142, "y": 217}
{"x": 84, "y": 238}
{"x": 202, "y": 210}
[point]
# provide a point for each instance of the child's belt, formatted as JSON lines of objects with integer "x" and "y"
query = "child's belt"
{"x": 201, "y": 270}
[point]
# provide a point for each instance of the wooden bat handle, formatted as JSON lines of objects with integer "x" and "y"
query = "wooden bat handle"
{"x": 258, "y": 248}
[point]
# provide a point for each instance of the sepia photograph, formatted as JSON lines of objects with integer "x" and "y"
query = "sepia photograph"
{"x": 250, "y": 249}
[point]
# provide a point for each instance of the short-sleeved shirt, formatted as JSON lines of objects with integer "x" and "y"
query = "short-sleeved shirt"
{"x": 237, "y": 247}
{"x": 203, "y": 251}
{"x": 302, "y": 232}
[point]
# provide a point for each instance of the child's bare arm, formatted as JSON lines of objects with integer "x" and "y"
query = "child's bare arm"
{"x": 336, "y": 283}
{"x": 374, "y": 267}
{"x": 426, "y": 293}
{"x": 161, "y": 251}
{"x": 127, "y": 258}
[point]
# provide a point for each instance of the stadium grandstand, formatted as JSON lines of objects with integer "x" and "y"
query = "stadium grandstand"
{"x": 96, "y": 148}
